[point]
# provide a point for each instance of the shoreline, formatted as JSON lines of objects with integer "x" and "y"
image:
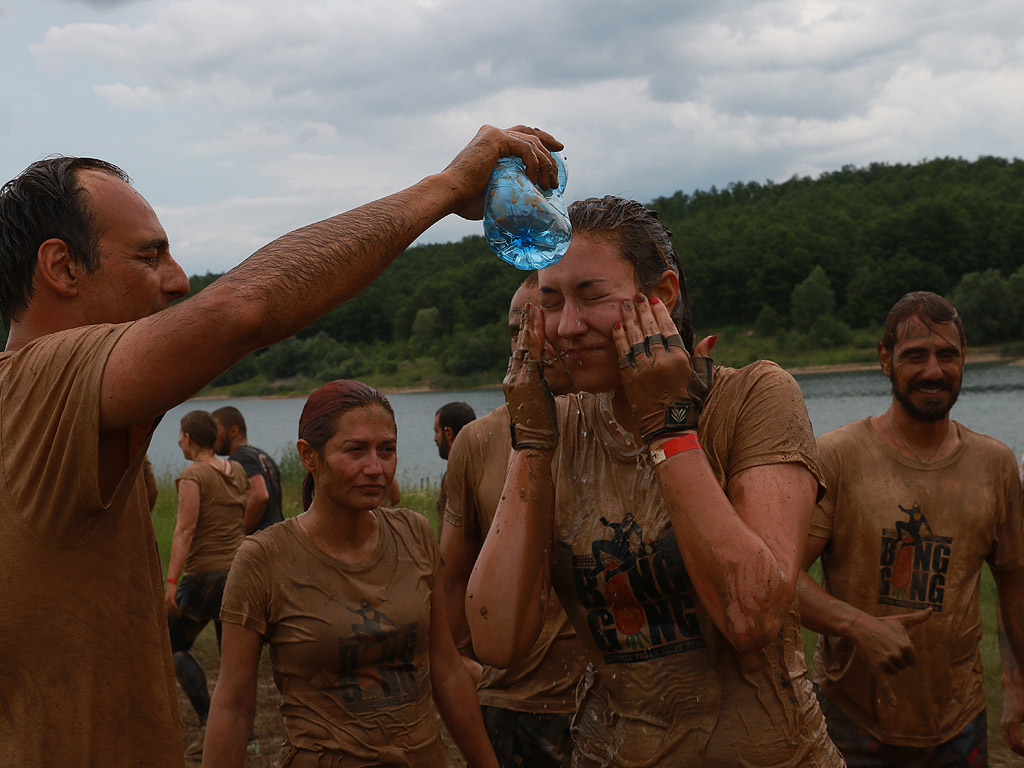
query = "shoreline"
{"x": 981, "y": 357}
{"x": 972, "y": 359}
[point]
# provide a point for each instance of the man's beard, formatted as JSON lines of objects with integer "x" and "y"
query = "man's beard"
{"x": 932, "y": 411}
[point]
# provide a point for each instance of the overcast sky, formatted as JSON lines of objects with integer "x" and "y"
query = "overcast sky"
{"x": 242, "y": 119}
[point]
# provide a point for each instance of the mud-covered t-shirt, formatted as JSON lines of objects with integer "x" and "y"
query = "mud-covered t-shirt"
{"x": 544, "y": 681}
{"x": 219, "y": 529}
{"x": 83, "y": 633}
{"x": 257, "y": 462}
{"x": 348, "y": 641}
{"x": 905, "y": 536}
{"x": 666, "y": 688}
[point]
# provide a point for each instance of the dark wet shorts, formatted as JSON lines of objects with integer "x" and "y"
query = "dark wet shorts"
{"x": 524, "y": 739}
{"x": 968, "y": 749}
{"x": 199, "y": 598}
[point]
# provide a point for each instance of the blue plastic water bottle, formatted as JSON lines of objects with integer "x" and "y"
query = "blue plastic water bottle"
{"x": 526, "y": 226}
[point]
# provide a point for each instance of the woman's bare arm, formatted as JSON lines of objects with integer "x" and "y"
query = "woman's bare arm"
{"x": 234, "y": 699}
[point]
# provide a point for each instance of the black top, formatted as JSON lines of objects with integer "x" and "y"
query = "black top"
{"x": 257, "y": 462}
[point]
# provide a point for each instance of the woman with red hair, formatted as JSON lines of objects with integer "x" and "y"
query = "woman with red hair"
{"x": 347, "y": 597}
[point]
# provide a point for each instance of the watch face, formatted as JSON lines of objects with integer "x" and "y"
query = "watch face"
{"x": 680, "y": 415}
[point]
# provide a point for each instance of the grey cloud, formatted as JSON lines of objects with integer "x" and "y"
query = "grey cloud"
{"x": 427, "y": 60}
{"x": 355, "y": 99}
{"x": 103, "y": 3}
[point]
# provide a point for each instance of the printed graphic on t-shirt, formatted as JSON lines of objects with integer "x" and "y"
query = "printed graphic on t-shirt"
{"x": 377, "y": 663}
{"x": 913, "y": 564}
{"x": 636, "y": 596}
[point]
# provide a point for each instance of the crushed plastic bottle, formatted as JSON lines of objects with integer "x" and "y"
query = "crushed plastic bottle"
{"x": 526, "y": 226}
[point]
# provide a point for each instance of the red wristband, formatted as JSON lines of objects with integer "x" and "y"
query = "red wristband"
{"x": 669, "y": 448}
{"x": 171, "y": 581}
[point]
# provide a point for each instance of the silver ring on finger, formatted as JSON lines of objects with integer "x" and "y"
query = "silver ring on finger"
{"x": 640, "y": 348}
{"x": 626, "y": 361}
{"x": 655, "y": 339}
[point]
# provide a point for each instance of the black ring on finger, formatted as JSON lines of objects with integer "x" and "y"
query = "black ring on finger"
{"x": 655, "y": 339}
{"x": 675, "y": 340}
{"x": 626, "y": 361}
{"x": 639, "y": 348}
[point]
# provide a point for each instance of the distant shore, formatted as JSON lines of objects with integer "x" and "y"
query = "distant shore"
{"x": 982, "y": 357}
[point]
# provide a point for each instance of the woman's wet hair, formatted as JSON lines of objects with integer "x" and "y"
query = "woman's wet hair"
{"x": 200, "y": 428}
{"x": 643, "y": 241}
{"x": 319, "y": 420}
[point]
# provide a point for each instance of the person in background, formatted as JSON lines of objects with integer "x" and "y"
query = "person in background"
{"x": 916, "y": 503}
{"x": 448, "y": 421}
{"x": 96, "y": 353}
{"x": 526, "y": 707}
{"x": 347, "y": 597}
{"x": 263, "y": 505}
{"x": 212, "y": 496}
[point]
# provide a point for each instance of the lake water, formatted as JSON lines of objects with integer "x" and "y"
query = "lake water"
{"x": 990, "y": 402}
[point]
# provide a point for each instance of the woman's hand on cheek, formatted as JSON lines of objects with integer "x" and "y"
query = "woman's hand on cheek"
{"x": 665, "y": 386}
{"x": 531, "y": 407}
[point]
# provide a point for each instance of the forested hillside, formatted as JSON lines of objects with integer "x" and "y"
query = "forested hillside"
{"x": 876, "y": 232}
{"x": 806, "y": 263}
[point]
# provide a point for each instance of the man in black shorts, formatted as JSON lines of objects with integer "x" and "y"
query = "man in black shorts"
{"x": 263, "y": 507}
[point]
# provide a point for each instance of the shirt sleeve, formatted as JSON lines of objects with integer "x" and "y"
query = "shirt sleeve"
{"x": 192, "y": 472}
{"x": 247, "y": 594}
{"x": 1008, "y": 549}
{"x": 460, "y": 504}
{"x": 772, "y": 425}
{"x": 824, "y": 512}
{"x": 49, "y": 417}
{"x": 249, "y": 460}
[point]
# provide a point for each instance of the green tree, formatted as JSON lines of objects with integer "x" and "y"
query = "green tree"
{"x": 811, "y": 299}
{"x": 767, "y": 321}
{"x": 1016, "y": 285}
{"x": 986, "y": 305}
{"x": 830, "y": 331}
{"x": 426, "y": 327}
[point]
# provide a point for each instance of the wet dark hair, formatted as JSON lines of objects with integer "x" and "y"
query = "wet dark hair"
{"x": 931, "y": 308}
{"x": 319, "y": 420}
{"x": 643, "y": 241}
{"x": 455, "y": 416}
{"x": 46, "y": 200}
{"x": 229, "y": 416}
{"x": 200, "y": 428}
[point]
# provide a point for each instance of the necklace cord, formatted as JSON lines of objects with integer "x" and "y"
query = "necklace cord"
{"x": 909, "y": 447}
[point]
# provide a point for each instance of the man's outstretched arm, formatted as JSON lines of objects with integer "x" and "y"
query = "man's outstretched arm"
{"x": 283, "y": 287}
